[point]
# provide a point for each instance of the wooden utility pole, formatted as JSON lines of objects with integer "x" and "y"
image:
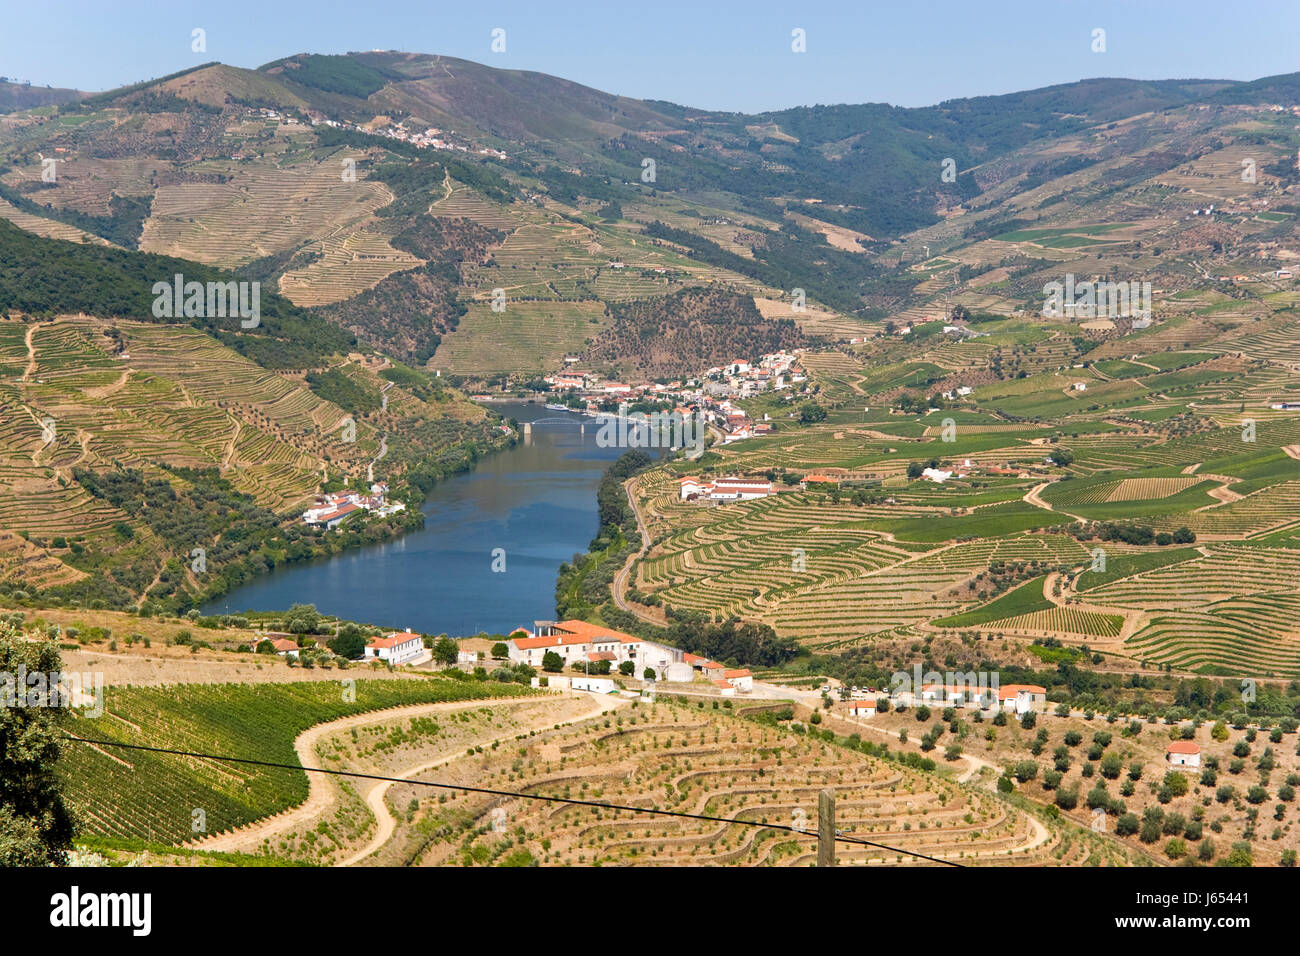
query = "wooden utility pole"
{"x": 826, "y": 828}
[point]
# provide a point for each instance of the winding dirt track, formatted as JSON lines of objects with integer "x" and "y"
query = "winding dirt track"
{"x": 618, "y": 589}
{"x": 320, "y": 795}
{"x": 375, "y": 798}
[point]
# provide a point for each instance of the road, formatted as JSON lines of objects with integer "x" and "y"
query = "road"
{"x": 619, "y": 587}
{"x": 600, "y": 704}
{"x": 320, "y": 793}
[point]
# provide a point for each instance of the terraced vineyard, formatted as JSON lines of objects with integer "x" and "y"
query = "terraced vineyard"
{"x": 264, "y": 209}
{"x": 702, "y": 761}
{"x": 149, "y": 796}
{"x": 888, "y": 551}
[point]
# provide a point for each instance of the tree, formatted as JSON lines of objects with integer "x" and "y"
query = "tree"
{"x": 1098, "y": 797}
{"x": 648, "y": 674}
{"x": 1240, "y": 855}
{"x": 445, "y": 650}
{"x": 500, "y": 650}
{"x": 811, "y": 412}
{"x": 302, "y": 619}
{"x": 1176, "y": 783}
{"x": 349, "y": 642}
{"x": 627, "y": 668}
{"x": 552, "y": 662}
{"x": 36, "y": 826}
{"x": 1111, "y": 765}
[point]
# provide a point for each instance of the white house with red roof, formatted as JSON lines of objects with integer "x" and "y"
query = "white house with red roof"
{"x": 400, "y": 647}
{"x": 579, "y": 642}
{"x": 862, "y": 708}
{"x": 739, "y": 678}
{"x": 1022, "y": 698}
{"x": 285, "y": 647}
{"x": 330, "y": 510}
{"x": 1183, "y": 753}
{"x": 724, "y": 489}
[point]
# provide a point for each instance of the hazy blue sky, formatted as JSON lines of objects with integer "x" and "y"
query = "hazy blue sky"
{"x": 724, "y": 55}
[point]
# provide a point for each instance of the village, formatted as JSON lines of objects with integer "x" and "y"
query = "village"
{"x": 711, "y": 397}
{"x": 332, "y": 509}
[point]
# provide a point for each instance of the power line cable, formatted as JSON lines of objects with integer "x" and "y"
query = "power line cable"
{"x": 840, "y": 836}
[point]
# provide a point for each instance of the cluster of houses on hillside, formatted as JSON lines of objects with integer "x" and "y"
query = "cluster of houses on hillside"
{"x": 331, "y": 510}
{"x": 709, "y": 397}
{"x": 431, "y": 138}
{"x": 1017, "y": 699}
{"x": 399, "y": 647}
{"x": 582, "y": 643}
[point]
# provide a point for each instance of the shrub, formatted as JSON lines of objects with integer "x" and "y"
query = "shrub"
{"x": 1026, "y": 770}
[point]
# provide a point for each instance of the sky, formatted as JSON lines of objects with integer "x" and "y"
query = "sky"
{"x": 720, "y": 55}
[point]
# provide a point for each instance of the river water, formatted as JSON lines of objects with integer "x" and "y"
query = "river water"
{"x": 536, "y": 501}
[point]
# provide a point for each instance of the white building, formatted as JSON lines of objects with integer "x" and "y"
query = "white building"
{"x": 1183, "y": 753}
{"x": 1022, "y": 698}
{"x": 596, "y": 685}
{"x": 741, "y": 679}
{"x": 725, "y": 489}
{"x": 578, "y": 641}
{"x": 396, "y": 648}
{"x": 862, "y": 708}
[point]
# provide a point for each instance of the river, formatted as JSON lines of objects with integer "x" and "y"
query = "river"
{"x": 536, "y": 501}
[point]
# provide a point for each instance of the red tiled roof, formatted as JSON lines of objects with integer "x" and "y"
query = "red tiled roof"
{"x": 283, "y": 644}
{"x": 393, "y": 640}
{"x": 1011, "y": 690}
{"x": 340, "y": 512}
{"x": 576, "y": 632}
{"x": 1183, "y": 747}
{"x": 740, "y": 672}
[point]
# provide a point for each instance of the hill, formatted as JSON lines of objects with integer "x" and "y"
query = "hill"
{"x": 315, "y": 172}
{"x": 130, "y": 440}
{"x": 24, "y": 96}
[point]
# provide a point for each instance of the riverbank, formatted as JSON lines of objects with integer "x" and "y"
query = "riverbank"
{"x": 487, "y": 556}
